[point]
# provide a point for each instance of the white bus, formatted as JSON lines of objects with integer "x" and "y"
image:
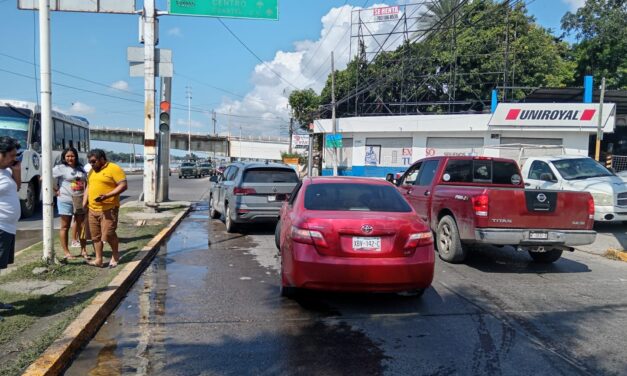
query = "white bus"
{"x": 21, "y": 120}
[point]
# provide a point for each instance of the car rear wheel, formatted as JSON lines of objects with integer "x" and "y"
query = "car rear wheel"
{"x": 417, "y": 293}
{"x": 288, "y": 291}
{"x": 547, "y": 257}
{"x": 277, "y": 235}
{"x": 449, "y": 244}
{"x": 228, "y": 221}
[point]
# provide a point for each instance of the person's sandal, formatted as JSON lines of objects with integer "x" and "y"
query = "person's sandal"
{"x": 112, "y": 264}
{"x": 93, "y": 263}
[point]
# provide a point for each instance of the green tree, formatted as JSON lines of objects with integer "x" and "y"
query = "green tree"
{"x": 600, "y": 27}
{"x": 304, "y": 105}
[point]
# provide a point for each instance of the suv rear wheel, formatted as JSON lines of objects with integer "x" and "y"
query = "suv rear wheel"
{"x": 547, "y": 257}
{"x": 228, "y": 220}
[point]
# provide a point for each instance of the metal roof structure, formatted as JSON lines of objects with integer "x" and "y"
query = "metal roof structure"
{"x": 575, "y": 95}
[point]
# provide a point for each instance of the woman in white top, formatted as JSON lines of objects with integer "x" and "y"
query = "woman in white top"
{"x": 71, "y": 180}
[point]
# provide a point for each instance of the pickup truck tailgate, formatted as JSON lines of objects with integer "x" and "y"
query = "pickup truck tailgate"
{"x": 539, "y": 209}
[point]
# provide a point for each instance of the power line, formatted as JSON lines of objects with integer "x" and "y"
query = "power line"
{"x": 255, "y": 55}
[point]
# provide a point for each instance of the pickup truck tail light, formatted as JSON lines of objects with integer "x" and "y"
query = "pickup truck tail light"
{"x": 301, "y": 235}
{"x": 237, "y": 191}
{"x": 419, "y": 239}
{"x": 590, "y": 207}
{"x": 480, "y": 205}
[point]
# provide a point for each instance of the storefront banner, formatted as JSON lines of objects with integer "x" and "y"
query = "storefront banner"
{"x": 551, "y": 115}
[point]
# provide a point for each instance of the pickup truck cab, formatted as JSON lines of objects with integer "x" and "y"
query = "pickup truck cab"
{"x": 578, "y": 173}
{"x": 479, "y": 200}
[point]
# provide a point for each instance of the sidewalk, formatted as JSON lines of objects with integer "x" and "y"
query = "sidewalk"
{"x": 48, "y": 299}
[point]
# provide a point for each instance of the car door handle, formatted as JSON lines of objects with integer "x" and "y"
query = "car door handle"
{"x": 409, "y": 191}
{"x": 527, "y": 184}
{"x": 427, "y": 193}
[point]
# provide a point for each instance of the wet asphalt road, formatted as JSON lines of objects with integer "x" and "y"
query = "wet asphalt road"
{"x": 214, "y": 309}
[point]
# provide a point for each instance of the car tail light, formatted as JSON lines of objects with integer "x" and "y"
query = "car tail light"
{"x": 237, "y": 191}
{"x": 590, "y": 207}
{"x": 301, "y": 235}
{"x": 480, "y": 205}
{"x": 419, "y": 239}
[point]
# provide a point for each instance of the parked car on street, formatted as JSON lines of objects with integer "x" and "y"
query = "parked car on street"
{"x": 482, "y": 200}
{"x": 352, "y": 234}
{"x": 578, "y": 173}
{"x": 188, "y": 169}
{"x": 250, "y": 192}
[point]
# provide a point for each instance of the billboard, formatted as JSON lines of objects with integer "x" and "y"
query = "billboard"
{"x": 580, "y": 115}
{"x": 300, "y": 141}
{"x": 386, "y": 13}
{"x": 95, "y": 6}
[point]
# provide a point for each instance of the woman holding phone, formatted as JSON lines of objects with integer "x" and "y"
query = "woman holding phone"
{"x": 71, "y": 181}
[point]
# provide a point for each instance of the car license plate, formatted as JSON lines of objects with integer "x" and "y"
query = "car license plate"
{"x": 271, "y": 198}
{"x": 538, "y": 235}
{"x": 366, "y": 244}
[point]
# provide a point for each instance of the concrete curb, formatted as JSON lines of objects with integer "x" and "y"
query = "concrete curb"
{"x": 56, "y": 357}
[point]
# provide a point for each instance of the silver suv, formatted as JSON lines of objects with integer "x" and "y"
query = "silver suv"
{"x": 250, "y": 192}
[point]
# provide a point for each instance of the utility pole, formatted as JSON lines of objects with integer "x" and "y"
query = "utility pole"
{"x": 46, "y": 129}
{"x": 228, "y": 136}
{"x": 213, "y": 119}
{"x": 189, "y": 120}
{"x": 290, "y": 132}
{"x": 150, "y": 152}
{"x": 240, "y": 142}
{"x": 334, "y": 121}
{"x": 597, "y": 153}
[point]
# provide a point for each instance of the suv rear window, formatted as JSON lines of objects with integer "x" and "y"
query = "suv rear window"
{"x": 188, "y": 165}
{"x": 270, "y": 175}
{"x": 481, "y": 171}
{"x": 355, "y": 197}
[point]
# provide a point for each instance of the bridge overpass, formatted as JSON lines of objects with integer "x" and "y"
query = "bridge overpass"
{"x": 237, "y": 148}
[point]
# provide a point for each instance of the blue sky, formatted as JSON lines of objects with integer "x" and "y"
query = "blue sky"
{"x": 221, "y": 73}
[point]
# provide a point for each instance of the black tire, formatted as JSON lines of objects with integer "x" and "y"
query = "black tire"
{"x": 288, "y": 291}
{"x": 179, "y": 176}
{"x": 231, "y": 227}
{"x": 277, "y": 235}
{"x": 29, "y": 205}
{"x": 213, "y": 213}
{"x": 448, "y": 243}
{"x": 547, "y": 257}
{"x": 417, "y": 293}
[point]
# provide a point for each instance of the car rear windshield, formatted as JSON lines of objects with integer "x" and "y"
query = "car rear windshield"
{"x": 355, "y": 197}
{"x": 270, "y": 175}
{"x": 482, "y": 171}
{"x": 188, "y": 165}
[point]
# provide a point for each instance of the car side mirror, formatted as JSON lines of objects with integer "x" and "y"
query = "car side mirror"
{"x": 390, "y": 178}
{"x": 547, "y": 177}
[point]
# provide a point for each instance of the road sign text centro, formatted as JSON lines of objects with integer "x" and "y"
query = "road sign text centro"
{"x": 258, "y": 9}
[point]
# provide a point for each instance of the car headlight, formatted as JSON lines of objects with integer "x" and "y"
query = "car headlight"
{"x": 603, "y": 199}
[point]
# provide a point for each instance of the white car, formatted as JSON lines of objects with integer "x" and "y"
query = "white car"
{"x": 579, "y": 173}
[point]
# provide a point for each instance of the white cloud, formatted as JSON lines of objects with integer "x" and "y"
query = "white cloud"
{"x": 175, "y": 32}
{"x": 77, "y": 108}
{"x": 307, "y": 66}
{"x": 575, "y": 4}
{"x": 120, "y": 85}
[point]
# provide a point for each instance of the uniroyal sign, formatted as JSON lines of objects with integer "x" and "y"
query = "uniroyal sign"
{"x": 550, "y": 114}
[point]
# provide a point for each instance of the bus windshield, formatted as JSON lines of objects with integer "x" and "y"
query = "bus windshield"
{"x": 14, "y": 123}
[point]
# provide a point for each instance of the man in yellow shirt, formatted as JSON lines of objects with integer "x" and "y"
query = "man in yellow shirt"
{"x": 105, "y": 182}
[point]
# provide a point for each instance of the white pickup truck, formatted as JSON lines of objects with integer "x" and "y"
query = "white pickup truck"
{"x": 579, "y": 173}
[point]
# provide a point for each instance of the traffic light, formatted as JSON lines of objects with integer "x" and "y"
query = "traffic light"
{"x": 164, "y": 116}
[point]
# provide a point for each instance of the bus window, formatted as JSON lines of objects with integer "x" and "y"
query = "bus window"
{"x": 68, "y": 136}
{"x": 35, "y": 138}
{"x": 76, "y": 136}
{"x": 58, "y": 135}
{"x": 86, "y": 138}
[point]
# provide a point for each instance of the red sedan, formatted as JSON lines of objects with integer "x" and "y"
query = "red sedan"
{"x": 352, "y": 234}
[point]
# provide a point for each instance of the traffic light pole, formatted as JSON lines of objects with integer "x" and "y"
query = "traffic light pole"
{"x": 150, "y": 170}
{"x": 164, "y": 139}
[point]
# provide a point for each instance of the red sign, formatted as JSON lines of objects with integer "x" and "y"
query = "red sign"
{"x": 519, "y": 114}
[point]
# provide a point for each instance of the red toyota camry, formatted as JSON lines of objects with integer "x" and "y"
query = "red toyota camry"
{"x": 352, "y": 234}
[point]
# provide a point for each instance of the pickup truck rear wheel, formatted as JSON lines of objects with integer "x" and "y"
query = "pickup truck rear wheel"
{"x": 547, "y": 257}
{"x": 449, "y": 244}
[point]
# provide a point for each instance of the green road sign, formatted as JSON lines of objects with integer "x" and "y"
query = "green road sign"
{"x": 261, "y": 9}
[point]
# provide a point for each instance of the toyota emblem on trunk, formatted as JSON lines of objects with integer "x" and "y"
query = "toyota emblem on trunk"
{"x": 367, "y": 229}
{"x": 541, "y": 197}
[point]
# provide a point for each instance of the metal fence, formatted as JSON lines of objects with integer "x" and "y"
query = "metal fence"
{"x": 618, "y": 162}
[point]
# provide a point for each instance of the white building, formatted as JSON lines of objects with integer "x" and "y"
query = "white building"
{"x": 374, "y": 146}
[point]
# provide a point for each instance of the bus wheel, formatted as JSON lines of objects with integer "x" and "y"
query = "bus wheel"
{"x": 28, "y": 205}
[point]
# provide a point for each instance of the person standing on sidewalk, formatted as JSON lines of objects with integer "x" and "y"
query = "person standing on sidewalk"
{"x": 10, "y": 181}
{"x": 71, "y": 179}
{"x": 105, "y": 182}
